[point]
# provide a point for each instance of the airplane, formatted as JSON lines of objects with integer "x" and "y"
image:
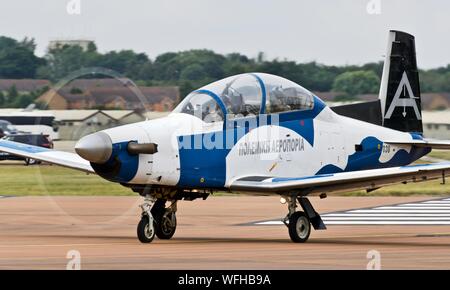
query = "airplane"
{"x": 261, "y": 133}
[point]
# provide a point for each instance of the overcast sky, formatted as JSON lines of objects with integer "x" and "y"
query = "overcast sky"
{"x": 328, "y": 31}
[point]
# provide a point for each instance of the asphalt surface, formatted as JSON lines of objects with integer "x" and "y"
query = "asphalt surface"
{"x": 219, "y": 233}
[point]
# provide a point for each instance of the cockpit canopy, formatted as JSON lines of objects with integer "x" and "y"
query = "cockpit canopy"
{"x": 246, "y": 95}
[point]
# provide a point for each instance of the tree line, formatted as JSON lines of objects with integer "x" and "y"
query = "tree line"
{"x": 194, "y": 68}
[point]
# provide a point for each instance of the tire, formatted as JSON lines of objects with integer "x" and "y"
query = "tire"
{"x": 29, "y": 161}
{"x": 299, "y": 227}
{"x": 143, "y": 232}
{"x": 166, "y": 226}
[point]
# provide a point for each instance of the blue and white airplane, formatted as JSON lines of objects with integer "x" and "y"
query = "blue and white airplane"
{"x": 262, "y": 133}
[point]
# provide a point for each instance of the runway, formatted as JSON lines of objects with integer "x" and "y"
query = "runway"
{"x": 219, "y": 233}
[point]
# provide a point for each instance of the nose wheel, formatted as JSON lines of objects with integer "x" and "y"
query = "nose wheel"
{"x": 157, "y": 220}
{"x": 146, "y": 230}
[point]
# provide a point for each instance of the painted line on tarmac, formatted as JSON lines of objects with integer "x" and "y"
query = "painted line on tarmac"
{"x": 432, "y": 212}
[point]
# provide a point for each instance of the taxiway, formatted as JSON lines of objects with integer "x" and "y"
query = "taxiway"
{"x": 219, "y": 233}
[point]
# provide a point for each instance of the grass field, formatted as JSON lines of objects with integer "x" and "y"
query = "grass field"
{"x": 440, "y": 154}
{"x": 54, "y": 180}
{"x": 425, "y": 188}
{"x": 17, "y": 179}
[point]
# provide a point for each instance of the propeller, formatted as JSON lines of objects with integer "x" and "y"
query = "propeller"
{"x": 96, "y": 148}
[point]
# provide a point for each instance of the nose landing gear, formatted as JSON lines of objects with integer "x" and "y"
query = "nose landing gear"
{"x": 146, "y": 230}
{"x": 146, "y": 227}
{"x": 157, "y": 220}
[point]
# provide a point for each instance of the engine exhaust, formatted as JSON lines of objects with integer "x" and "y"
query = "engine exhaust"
{"x": 145, "y": 148}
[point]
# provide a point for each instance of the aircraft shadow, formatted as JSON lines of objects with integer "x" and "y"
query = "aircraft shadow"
{"x": 360, "y": 241}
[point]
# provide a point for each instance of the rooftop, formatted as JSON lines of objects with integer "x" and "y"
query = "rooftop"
{"x": 436, "y": 117}
{"x": 23, "y": 85}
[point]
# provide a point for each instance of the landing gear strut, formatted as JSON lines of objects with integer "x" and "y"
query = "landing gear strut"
{"x": 299, "y": 222}
{"x": 146, "y": 227}
{"x": 157, "y": 220}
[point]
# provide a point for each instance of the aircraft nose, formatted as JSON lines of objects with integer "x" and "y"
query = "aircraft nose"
{"x": 96, "y": 147}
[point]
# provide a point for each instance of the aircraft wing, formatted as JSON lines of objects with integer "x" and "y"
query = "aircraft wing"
{"x": 345, "y": 181}
{"x": 66, "y": 159}
{"x": 431, "y": 143}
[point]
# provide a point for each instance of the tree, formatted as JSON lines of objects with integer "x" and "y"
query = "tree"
{"x": 17, "y": 59}
{"x": 22, "y": 101}
{"x": 76, "y": 91}
{"x": 194, "y": 68}
{"x": 193, "y": 72}
{"x": 63, "y": 60}
{"x": 2, "y": 99}
{"x": 12, "y": 93}
{"x": 208, "y": 64}
{"x": 357, "y": 82}
{"x": 126, "y": 62}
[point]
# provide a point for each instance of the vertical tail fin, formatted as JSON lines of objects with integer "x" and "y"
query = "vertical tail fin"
{"x": 400, "y": 90}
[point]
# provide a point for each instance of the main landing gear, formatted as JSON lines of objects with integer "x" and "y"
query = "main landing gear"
{"x": 299, "y": 222}
{"x": 157, "y": 220}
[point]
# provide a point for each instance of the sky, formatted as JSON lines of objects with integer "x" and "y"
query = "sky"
{"x": 332, "y": 32}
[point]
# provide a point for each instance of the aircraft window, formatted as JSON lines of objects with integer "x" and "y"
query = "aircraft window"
{"x": 284, "y": 96}
{"x": 242, "y": 96}
{"x": 202, "y": 106}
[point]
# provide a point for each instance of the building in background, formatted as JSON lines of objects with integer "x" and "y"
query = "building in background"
{"x": 23, "y": 86}
{"x": 34, "y": 122}
{"x": 74, "y": 124}
{"x": 435, "y": 101}
{"x": 122, "y": 117}
{"x": 110, "y": 94}
{"x": 436, "y": 124}
{"x": 59, "y": 43}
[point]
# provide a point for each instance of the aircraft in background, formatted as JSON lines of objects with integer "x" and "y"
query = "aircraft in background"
{"x": 262, "y": 133}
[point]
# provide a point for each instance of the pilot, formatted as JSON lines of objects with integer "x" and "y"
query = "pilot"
{"x": 234, "y": 101}
{"x": 212, "y": 113}
{"x": 278, "y": 100}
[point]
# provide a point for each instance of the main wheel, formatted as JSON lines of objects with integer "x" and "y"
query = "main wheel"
{"x": 166, "y": 226}
{"x": 145, "y": 231}
{"x": 29, "y": 161}
{"x": 299, "y": 227}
